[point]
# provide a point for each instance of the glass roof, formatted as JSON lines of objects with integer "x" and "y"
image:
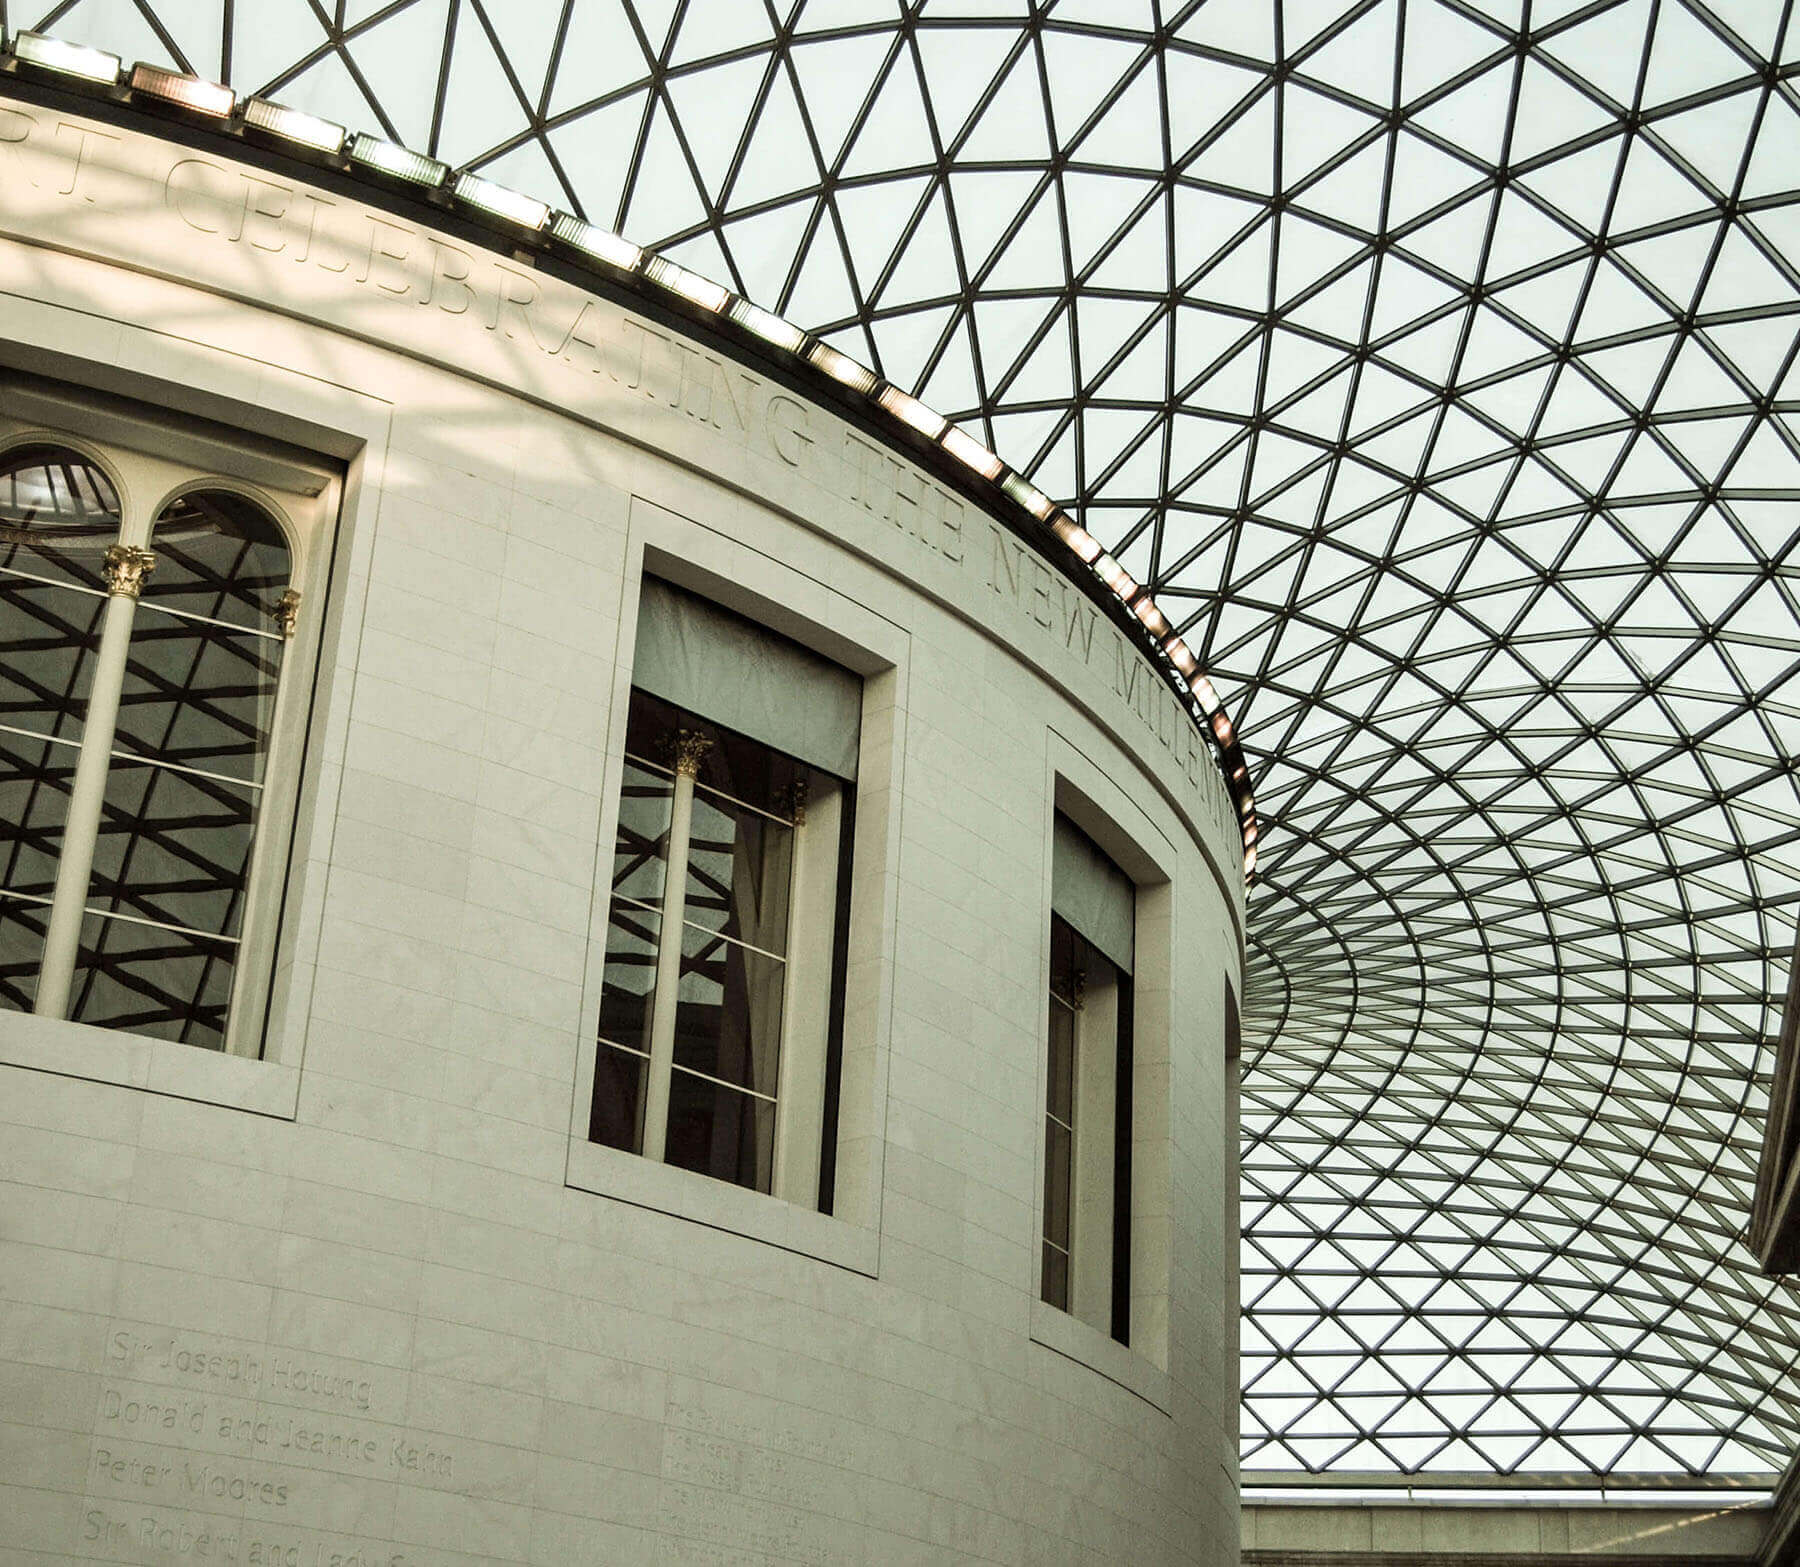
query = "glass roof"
{"x": 1435, "y": 362}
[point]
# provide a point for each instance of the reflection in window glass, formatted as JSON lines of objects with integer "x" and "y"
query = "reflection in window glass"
{"x": 199, "y": 695}
{"x": 58, "y": 516}
{"x": 168, "y": 984}
{"x": 1059, "y": 1111}
{"x": 174, "y": 847}
{"x": 629, "y": 981}
{"x": 34, "y": 791}
{"x": 50, "y": 633}
{"x": 22, "y": 925}
{"x": 640, "y": 853}
{"x": 176, "y": 828}
{"x": 722, "y": 1032}
{"x": 196, "y": 700}
{"x": 717, "y": 1131}
{"x": 740, "y": 870}
{"x": 219, "y": 557}
{"x": 618, "y": 1114}
{"x": 728, "y": 1014}
{"x": 1086, "y": 1264}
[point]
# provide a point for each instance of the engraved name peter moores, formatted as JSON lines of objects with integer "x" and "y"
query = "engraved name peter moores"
{"x": 190, "y": 1425}
{"x": 315, "y": 254}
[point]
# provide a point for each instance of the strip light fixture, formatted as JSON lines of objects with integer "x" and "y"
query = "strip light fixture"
{"x": 371, "y": 156}
{"x": 47, "y": 53}
{"x": 971, "y": 453}
{"x": 501, "y": 201}
{"x": 771, "y": 328}
{"x": 909, "y": 410}
{"x": 841, "y": 367}
{"x": 292, "y": 125}
{"x": 181, "y": 91}
{"x": 596, "y": 243}
{"x": 397, "y": 162}
{"x": 1022, "y": 492}
{"x": 694, "y": 288}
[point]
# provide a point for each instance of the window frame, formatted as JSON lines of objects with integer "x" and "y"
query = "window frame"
{"x": 803, "y": 1042}
{"x": 833, "y": 623}
{"x": 1082, "y": 789}
{"x": 154, "y": 456}
{"x": 1101, "y": 1073}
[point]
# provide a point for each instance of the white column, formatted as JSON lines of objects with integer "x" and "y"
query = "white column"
{"x": 126, "y": 568}
{"x": 262, "y": 907}
{"x": 806, "y": 1010}
{"x": 1096, "y": 1131}
{"x": 690, "y": 750}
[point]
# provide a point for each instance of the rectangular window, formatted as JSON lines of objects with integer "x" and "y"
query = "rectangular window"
{"x": 1086, "y": 1267}
{"x": 721, "y": 997}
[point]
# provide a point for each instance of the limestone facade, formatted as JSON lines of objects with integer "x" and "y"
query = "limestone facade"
{"x": 366, "y": 1293}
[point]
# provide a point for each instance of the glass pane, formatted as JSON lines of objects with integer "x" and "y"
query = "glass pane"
{"x": 152, "y": 981}
{"x": 35, "y": 776}
{"x": 1056, "y": 1277}
{"x": 1058, "y": 1147}
{"x": 733, "y": 765}
{"x": 617, "y": 1117}
{"x": 218, "y": 555}
{"x": 21, "y": 951}
{"x": 1061, "y": 1099}
{"x": 740, "y": 871}
{"x": 49, "y": 634}
{"x": 640, "y": 852}
{"x": 173, "y": 847}
{"x": 198, "y": 695}
{"x": 720, "y": 1132}
{"x": 728, "y": 1014}
{"x": 58, "y": 515}
{"x": 746, "y": 769}
{"x": 629, "y": 980}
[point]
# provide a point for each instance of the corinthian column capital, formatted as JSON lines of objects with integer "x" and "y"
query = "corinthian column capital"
{"x": 691, "y": 747}
{"x": 126, "y": 568}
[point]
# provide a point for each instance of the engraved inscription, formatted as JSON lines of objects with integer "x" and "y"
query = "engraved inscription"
{"x": 171, "y": 1359}
{"x": 136, "y": 1536}
{"x": 188, "y": 1479}
{"x": 603, "y": 358}
{"x": 199, "y": 1454}
{"x": 1065, "y": 618}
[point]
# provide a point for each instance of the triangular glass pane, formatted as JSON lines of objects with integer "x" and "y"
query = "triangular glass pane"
{"x": 601, "y": 54}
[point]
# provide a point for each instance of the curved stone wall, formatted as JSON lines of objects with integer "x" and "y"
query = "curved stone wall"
{"x": 372, "y": 1296}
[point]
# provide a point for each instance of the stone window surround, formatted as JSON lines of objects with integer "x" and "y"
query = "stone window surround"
{"x": 714, "y": 565}
{"x": 273, "y": 439}
{"x": 1080, "y": 789}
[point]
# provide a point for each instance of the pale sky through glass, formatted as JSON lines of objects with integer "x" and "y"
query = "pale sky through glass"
{"x": 1435, "y": 362}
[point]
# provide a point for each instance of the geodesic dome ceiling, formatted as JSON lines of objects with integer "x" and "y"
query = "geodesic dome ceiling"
{"x": 1434, "y": 361}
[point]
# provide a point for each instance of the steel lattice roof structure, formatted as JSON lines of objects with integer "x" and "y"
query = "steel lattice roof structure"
{"x": 1435, "y": 363}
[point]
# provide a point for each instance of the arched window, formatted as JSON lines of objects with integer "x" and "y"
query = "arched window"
{"x": 59, "y": 514}
{"x": 165, "y": 902}
{"x": 143, "y": 661}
